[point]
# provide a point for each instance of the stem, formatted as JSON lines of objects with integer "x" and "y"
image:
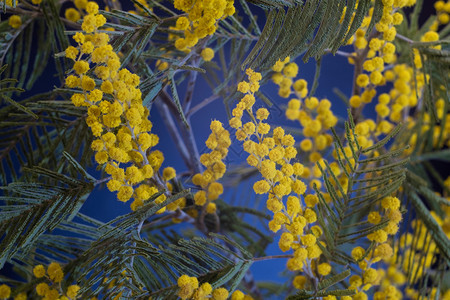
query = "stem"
{"x": 169, "y": 19}
{"x": 404, "y": 38}
{"x": 191, "y": 86}
{"x": 100, "y": 181}
{"x": 272, "y": 257}
{"x": 202, "y": 104}
{"x": 173, "y": 131}
{"x": 188, "y": 137}
{"x": 341, "y": 53}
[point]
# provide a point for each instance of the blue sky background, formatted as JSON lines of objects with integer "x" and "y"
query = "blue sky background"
{"x": 335, "y": 73}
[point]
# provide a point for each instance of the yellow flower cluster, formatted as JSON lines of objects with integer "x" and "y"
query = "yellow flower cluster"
{"x": 201, "y": 20}
{"x": 443, "y": 11}
{"x": 381, "y": 50}
{"x": 75, "y": 14}
{"x": 52, "y": 290}
{"x": 283, "y": 77}
{"x": 116, "y": 116}
{"x": 218, "y": 142}
{"x": 15, "y": 21}
{"x": 402, "y": 97}
{"x": 314, "y": 115}
{"x": 189, "y": 289}
{"x": 381, "y": 250}
{"x": 316, "y": 119}
{"x": 272, "y": 155}
{"x": 413, "y": 261}
{"x": 424, "y": 242}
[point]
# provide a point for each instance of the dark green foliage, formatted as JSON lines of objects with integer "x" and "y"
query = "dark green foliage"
{"x": 369, "y": 180}
{"x": 37, "y": 208}
{"x": 133, "y": 33}
{"x": 40, "y": 142}
{"x": 313, "y": 26}
{"x": 322, "y": 291}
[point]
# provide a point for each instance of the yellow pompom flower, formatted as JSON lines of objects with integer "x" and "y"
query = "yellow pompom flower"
{"x": 125, "y": 193}
{"x": 311, "y": 200}
{"x": 291, "y": 70}
{"x": 324, "y": 269}
{"x": 80, "y": 4}
{"x": 39, "y": 271}
{"x": 42, "y": 289}
{"x": 211, "y": 208}
{"x": 308, "y": 240}
{"x": 87, "y": 48}
{"x": 200, "y": 198}
{"x": 207, "y": 54}
{"x": 306, "y": 145}
{"x": 376, "y": 77}
{"x": 357, "y": 253}
{"x": 15, "y": 21}
{"x": 72, "y": 14}
{"x": 314, "y": 251}
{"x": 392, "y": 203}
{"x": 261, "y": 187}
{"x": 81, "y": 67}
{"x": 370, "y": 275}
{"x": 87, "y": 83}
{"x": 92, "y": 7}
{"x": 379, "y": 236}
{"x": 243, "y": 87}
{"x": 182, "y": 23}
{"x": 55, "y": 272}
{"x": 220, "y": 294}
{"x": 71, "y": 52}
{"x": 72, "y": 291}
{"x": 285, "y": 242}
{"x": 5, "y": 291}
{"x": 262, "y": 114}
{"x": 362, "y": 80}
{"x": 355, "y": 101}
{"x": 21, "y": 296}
{"x": 169, "y": 173}
{"x": 72, "y": 81}
{"x": 355, "y": 281}
{"x": 374, "y": 217}
{"x": 237, "y": 295}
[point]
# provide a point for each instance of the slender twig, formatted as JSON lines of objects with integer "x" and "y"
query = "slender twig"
{"x": 269, "y": 257}
{"x": 187, "y": 135}
{"x": 341, "y": 53}
{"x": 191, "y": 86}
{"x": 173, "y": 131}
{"x": 172, "y": 18}
{"x": 202, "y": 104}
{"x": 404, "y": 38}
{"x": 100, "y": 181}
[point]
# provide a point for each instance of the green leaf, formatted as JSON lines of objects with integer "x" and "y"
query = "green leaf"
{"x": 176, "y": 99}
{"x": 315, "y": 21}
{"x": 330, "y": 281}
{"x": 46, "y": 207}
{"x": 432, "y": 226}
{"x": 20, "y": 107}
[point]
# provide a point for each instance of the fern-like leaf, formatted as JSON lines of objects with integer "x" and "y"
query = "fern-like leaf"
{"x": 313, "y": 26}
